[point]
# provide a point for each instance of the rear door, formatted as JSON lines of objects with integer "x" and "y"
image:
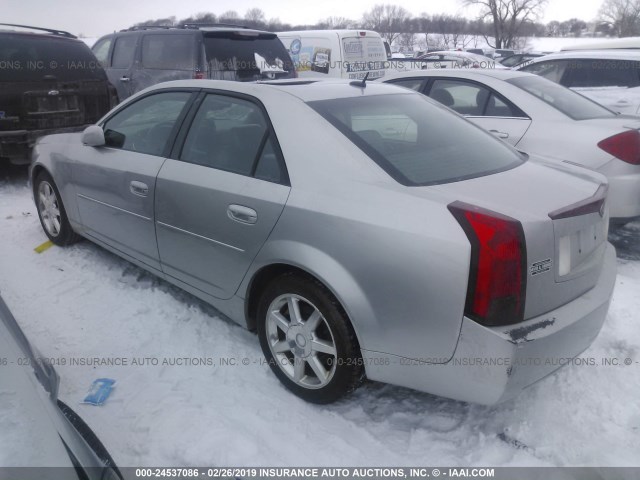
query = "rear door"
{"x": 363, "y": 53}
{"x": 219, "y": 198}
{"x": 115, "y": 184}
{"x": 483, "y": 106}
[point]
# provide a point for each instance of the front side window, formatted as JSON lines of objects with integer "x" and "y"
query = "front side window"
{"x": 591, "y": 73}
{"x": 233, "y": 135}
{"x": 146, "y": 125}
{"x": 101, "y": 51}
{"x": 416, "y": 142}
{"x": 551, "y": 70}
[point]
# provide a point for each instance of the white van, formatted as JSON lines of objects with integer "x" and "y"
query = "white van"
{"x": 336, "y": 53}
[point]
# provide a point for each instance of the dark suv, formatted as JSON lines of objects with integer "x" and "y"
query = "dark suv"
{"x": 50, "y": 82}
{"x": 143, "y": 56}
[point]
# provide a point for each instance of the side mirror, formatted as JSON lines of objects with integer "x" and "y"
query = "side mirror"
{"x": 93, "y": 136}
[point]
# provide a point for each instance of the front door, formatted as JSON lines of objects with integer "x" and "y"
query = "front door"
{"x": 115, "y": 184}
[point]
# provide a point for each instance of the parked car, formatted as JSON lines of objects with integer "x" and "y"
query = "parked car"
{"x": 606, "y": 44}
{"x": 541, "y": 117}
{"x": 610, "y": 77}
{"x": 477, "y": 51}
{"x": 49, "y": 82}
{"x": 336, "y": 53}
{"x": 360, "y": 228}
{"x": 143, "y": 56}
{"x": 518, "y": 59}
{"x": 443, "y": 59}
{"x": 457, "y": 59}
{"x": 43, "y": 431}
{"x": 499, "y": 53}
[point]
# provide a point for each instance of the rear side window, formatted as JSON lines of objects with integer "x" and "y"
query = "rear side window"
{"x": 472, "y": 99}
{"x": 30, "y": 58}
{"x": 416, "y": 142}
{"x": 168, "y": 52}
{"x": 232, "y": 134}
{"x": 602, "y": 73}
{"x": 246, "y": 56}
{"x": 412, "y": 83}
{"x": 570, "y": 103}
{"x": 124, "y": 51}
{"x": 146, "y": 125}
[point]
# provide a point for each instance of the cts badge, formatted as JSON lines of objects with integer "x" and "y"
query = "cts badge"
{"x": 540, "y": 267}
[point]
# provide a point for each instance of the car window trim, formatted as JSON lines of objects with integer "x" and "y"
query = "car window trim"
{"x": 513, "y": 106}
{"x": 174, "y": 131}
{"x": 176, "y": 151}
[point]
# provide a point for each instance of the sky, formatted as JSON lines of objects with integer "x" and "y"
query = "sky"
{"x": 94, "y": 18}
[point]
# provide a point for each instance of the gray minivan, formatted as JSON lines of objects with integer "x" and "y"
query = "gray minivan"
{"x": 139, "y": 57}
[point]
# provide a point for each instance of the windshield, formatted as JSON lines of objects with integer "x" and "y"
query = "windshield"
{"x": 31, "y": 58}
{"x": 246, "y": 56}
{"x": 416, "y": 141}
{"x": 570, "y": 103}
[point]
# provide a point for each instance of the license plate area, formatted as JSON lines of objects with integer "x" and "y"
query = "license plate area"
{"x": 579, "y": 243}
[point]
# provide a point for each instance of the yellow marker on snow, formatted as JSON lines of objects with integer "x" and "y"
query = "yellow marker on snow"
{"x": 44, "y": 246}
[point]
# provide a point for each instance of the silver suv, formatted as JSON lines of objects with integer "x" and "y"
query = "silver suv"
{"x": 142, "y": 56}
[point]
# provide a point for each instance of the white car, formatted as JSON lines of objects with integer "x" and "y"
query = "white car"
{"x": 610, "y": 77}
{"x": 541, "y": 117}
{"x": 445, "y": 59}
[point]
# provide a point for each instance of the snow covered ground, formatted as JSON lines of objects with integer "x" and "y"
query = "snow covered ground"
{"x": 83, "y": 302}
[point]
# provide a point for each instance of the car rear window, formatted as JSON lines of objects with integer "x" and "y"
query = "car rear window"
{"x": 570, "y": 103}
{"x": 247, "y": 56}
{"x": 31, "y": 58}
{"x": 415, "y": 141}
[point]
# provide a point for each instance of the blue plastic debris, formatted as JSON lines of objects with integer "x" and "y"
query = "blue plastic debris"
{"x": 99, "y": 391}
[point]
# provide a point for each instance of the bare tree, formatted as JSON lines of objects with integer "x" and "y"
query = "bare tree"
{"x": 334, "y": 23}
{"x": 622, "y": 15}
{"x": 508, "y": 17}
{"x": 255, "y": 15}
{"x": 387, "y": 20}
{"x": 230, "y": 16}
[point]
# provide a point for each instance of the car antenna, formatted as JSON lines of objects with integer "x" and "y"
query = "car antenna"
{"x": 361, "y": 84}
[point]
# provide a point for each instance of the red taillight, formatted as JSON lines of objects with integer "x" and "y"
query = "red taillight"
{"x": 198, "y": 75}
{"x": 497, "y": 277}
{"x": 625, "y": 146}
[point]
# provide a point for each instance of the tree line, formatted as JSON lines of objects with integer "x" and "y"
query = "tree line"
{"x": 500, "y": 23}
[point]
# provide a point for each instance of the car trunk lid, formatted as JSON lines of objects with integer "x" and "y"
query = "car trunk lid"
{"x": 564, "y": 219}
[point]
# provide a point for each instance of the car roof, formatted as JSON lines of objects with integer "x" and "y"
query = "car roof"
{"x": 306, "y": 90}
{"x": 166, "y": 30}
{"x": 609, "y": 43}
{"x": 500, "y": 74}
{"x": 613, "y": 54}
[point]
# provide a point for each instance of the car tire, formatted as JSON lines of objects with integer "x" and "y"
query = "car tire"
{"x": 51, "y": 212}
{"x": 313, "y": 351}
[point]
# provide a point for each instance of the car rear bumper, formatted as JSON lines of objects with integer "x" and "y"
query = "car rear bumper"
{"x": 624, "y": 191}
{"x": 494, "y": 364}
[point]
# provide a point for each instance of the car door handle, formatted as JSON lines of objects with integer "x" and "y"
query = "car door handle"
{"x": 138, "y": 188}
{"x": 242, "y": 214}
{"x": 124, "y": 79}
{"x": 499, "y": 134}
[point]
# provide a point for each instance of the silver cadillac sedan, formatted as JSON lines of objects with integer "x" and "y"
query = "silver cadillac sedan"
{"x": 363, "y": 230}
